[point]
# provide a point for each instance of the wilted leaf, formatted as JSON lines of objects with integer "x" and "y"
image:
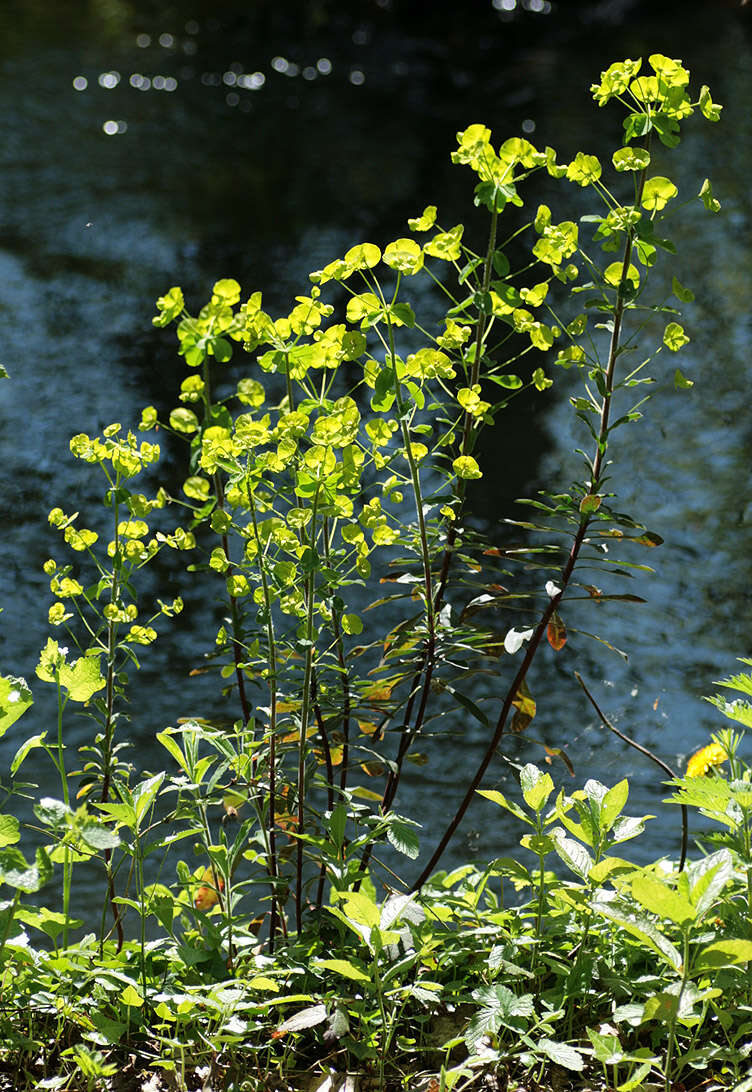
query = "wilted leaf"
{"x": 524, "y": 704}
{"x": 556, "y": 632}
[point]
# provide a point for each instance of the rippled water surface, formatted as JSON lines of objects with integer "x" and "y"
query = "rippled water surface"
{"x": 140, "y": 151}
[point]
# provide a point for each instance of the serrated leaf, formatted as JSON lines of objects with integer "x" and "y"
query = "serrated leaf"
{"x": 403, "y": 838}
{"x": 562, "y": 1054}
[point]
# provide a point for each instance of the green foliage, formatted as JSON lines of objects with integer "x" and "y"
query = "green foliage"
{"x": 341, "y": 463}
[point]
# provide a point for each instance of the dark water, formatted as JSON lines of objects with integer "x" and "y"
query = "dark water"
{"x": 259, "y": 147}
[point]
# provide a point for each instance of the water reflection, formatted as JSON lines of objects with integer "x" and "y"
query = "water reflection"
{"x": 347, "y": 132}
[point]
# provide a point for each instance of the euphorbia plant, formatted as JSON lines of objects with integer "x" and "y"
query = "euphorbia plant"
{"x": 352, "y": 463}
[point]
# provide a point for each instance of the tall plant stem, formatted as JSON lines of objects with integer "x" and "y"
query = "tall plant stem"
{"x": 421, "y": 682}
{"x": 272, "y": 865}
{"x": 342, "y": 661}
{"x": 237, "y": 643}
{"x": 109, "y": 716}
{"x": 468, "y": 425}
{"x": 304, "y": 715}
{"x": 67, "y": 859}
{"x": 672, "y": 1022}
{"x": 425, "y": 669}
{"x": 534, "y": 643}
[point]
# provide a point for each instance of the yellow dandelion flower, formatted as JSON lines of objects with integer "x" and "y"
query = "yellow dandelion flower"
{"x": 705, "y": 759}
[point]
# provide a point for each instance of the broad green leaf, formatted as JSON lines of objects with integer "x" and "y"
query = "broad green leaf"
{"x": 674, "y": 337}
{"x": 608, "y": 866}
{"x": 98, "y": 836}
{"x": 500, "y": 1007}
{"x": 657, "y": 193}
{"x": 10, "y": 832}
{"x": 170, "y": 744}
{"x": 16, "y": 872}
{"x": 15, "y": 699}
{"x": 707, "y": 878}
{"x": 144, "y": 794}
{"x": 131, "y": 997}
{"x": 47, "y": 921}
{"x": 660, "y": 899}
{"x": 613, "y": 803}
{"x": 574, "y": 855}
{"x": 83, "y": 678}
{"x": 536, "y": 786}
{"x": 345, "y": 968}
{"x": 359, "y": 907}
{"x": 722, "y": 953}
{"x": 661, "y": 1006}
{"x": 351, "y": 624}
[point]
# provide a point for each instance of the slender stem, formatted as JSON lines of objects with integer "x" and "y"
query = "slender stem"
{"x": 109, "y": 718}
{"x": 672, "y": 1023}
{"x": 340, "y": 645}
{"x": 643, "y": 750}
{"x": 535, "y": 641}
{"x": 304, "y": 715}
{"x": 237, "y": 632}
{"x": 272, "y": 865}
